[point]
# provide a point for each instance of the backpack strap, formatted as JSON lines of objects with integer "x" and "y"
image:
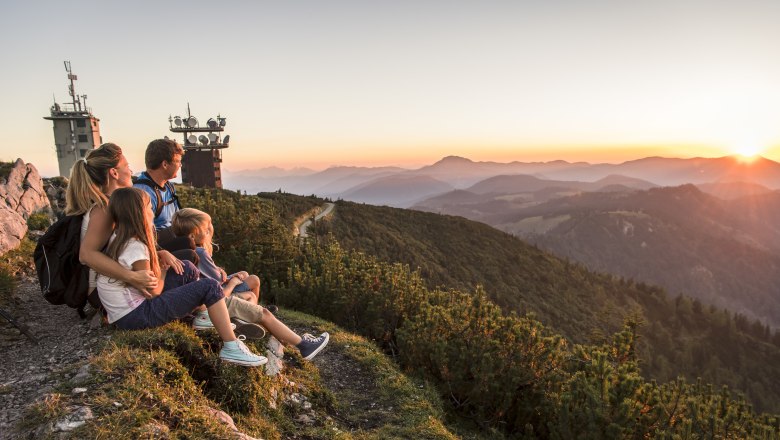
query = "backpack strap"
{"x": 169, "y": 186}
{"x": 174, "y": 197}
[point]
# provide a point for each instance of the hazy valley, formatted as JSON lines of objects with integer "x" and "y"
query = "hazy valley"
{"x": 716, "y": 241}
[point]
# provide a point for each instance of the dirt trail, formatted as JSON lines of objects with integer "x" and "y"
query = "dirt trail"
{"x": 28, "y": 371}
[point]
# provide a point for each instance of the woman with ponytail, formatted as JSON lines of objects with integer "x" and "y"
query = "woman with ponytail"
{"x": 92, "y": 180}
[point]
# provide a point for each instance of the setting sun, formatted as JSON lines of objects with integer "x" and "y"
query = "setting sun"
{"x": 747, "y": 152}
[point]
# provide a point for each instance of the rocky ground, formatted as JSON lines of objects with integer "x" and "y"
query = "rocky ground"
{"x": 28, "y": 371}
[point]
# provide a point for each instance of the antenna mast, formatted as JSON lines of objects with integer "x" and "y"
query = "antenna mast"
{"x": 72, "y": 87}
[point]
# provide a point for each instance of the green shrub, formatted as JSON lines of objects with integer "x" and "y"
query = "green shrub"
{"x": 507, "y": 372}
{"x": 39, "y": 221}
{"x": 248, "y": 232}
{"x": 5, "y": 169}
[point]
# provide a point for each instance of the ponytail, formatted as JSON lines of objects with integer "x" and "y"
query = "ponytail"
{"x": 82, "y": 191}
{"x": 88, "y": 177}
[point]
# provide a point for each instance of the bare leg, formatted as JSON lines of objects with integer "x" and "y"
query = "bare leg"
{"x": 279, "y": 330}
{"x": 254, "y": 284}
{"x": 218, "y": 314}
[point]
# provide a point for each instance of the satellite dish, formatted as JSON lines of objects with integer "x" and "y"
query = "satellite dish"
{"x": 191, "y": 122}
{"x": 213, "y": 138}
{"x": 221, "y": 122}
{"x": 177, "y": 121}
{"x": 212, "y": 123}
{"x": 226, "y": 140}
{"x": 192, "y": 139}
{"x": 203, "y": 140}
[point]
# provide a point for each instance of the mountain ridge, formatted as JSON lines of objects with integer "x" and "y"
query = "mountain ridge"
{"x": 461, "y": 173}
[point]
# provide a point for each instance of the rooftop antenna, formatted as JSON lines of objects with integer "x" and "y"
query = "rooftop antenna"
{"x": 72, "y": 87}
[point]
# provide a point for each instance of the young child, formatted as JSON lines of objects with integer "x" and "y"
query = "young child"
{"x": 130, "y": 245}
{"x": 197, "y": 225}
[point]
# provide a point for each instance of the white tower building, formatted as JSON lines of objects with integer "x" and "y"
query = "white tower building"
{"x": 76, "y": 129}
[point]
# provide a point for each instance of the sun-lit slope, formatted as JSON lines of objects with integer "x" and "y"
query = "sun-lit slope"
{"x": 681, "y": 336}
{"x": 722, "y": 252}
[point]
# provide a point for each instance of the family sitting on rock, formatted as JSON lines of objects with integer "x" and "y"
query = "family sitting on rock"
{"x": 141, "y": 285}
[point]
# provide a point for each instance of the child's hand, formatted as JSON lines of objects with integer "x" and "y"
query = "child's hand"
{"x": 224, "y": 275}
{"x": 235, "y": 281}
{"x": 242, "y": 275}
{"x": 168, "y": 260}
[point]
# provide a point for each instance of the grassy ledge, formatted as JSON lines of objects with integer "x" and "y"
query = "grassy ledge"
{"x": 168, "y": 382}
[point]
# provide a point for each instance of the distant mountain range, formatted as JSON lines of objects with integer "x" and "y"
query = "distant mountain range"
{"x": 724, "y": 251}
{"x": 703, "y": 227}
{"x": 393, "y": 186}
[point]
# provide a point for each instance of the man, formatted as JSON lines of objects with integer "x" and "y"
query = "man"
{"x": 163, "y": 160}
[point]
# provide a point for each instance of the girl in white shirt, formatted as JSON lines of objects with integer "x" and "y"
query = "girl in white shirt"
{"x": 129, "y": 308}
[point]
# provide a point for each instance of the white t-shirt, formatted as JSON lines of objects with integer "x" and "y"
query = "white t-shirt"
{"x": 118, "y": 298}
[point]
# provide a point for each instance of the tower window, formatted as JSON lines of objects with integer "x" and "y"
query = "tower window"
{"x": 81, "y": 123}
{"x": 82, "y": 138}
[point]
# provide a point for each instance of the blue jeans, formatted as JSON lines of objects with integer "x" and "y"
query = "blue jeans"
{"x": 181, "y": 294}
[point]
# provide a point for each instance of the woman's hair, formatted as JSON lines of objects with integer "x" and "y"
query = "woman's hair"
{"x": 88, "y": 177}
{"x": 127, "y": 209}
{"x": 193, "y": 223}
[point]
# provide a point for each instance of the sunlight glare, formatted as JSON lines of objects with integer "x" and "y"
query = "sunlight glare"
{"x": 747, "y": 153}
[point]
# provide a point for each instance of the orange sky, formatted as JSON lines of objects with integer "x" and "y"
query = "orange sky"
{"x": 404, "y": 83}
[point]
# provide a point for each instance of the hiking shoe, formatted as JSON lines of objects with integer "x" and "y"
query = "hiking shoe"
{"x": 249, "y": 330}
{"x": 203, "y": 322}
{"x": 310, "y": 346}
{"x": 236, "y": 352}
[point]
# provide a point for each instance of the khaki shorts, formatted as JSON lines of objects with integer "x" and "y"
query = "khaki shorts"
{"x": 244, "y": 310}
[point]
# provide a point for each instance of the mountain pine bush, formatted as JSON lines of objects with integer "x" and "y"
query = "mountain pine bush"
{"x": 510, "y": 372}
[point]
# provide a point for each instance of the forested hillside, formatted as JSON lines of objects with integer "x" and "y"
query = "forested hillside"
{"x": 722, "y": 252}
{"x": 678, "y": 335}
{"x": 504, "y": 375}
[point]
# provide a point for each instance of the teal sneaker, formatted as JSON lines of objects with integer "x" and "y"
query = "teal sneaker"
{"x": 203, "y": 322}
{"x": 236, "y": 352}
{"x": 310, "y": 346}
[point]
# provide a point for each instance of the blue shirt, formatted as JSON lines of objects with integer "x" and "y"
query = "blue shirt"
{"x": 208, "y": 267}
{"x": 167, "y": 192}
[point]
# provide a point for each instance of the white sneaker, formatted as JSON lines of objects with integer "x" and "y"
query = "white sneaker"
{"x": 239, "y": 353}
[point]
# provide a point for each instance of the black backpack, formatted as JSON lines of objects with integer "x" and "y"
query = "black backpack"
{"x": 62, "y": 277}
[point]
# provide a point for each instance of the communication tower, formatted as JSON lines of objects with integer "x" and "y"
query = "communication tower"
{"x": 76, "y": 129}
{"x": 200, "y": 165}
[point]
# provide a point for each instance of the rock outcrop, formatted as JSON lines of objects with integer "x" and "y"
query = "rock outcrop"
{"x": 21, "y": 194}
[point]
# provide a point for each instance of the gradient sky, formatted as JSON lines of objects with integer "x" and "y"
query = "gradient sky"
{"x": 405, "y": 83}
